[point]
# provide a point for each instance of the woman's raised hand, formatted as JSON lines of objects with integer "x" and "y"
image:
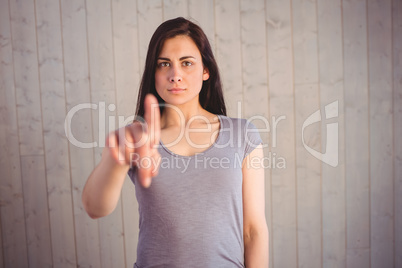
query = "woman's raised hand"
{"x": 136, "y": 144}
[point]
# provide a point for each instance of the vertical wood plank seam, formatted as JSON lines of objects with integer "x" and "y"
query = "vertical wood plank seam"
{"x": 68, "y": 145}
{"x": 116, "y": 114}
{"x": 91, "y": 114}
{"x": 163, "y": 9}
{"x": 345, "y": 126}
{"x": 89, "y": 74}
{"x": 393, "y": 131}
{"x": 241, "y": 58}
{"x": 369, "y": 125}
{"x": 3, "y": 263}
{"x": 140, "y": 81}
{"x": 43, "y": 136}
{"x": 139, "y": 50}
{"x": 188, "y": 11}
{"x": 270, "y": 144}
{"x": 344, "y": 134}
{"x": 294, "y": 128}
{"x": 319, "y": 105}
{"x": 215, "y": 31}
{"x": 18, "y": 129}
{"x": 270, "y": 232}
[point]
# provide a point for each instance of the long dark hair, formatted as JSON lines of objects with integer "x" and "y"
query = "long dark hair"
{"x": 211, "y": 94}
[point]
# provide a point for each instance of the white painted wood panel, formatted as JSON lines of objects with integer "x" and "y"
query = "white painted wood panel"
{"x": 76, "y": 77}
{"x": 1, "y": 246}
{"x": 25, "y": 59}
{"x": 281, "y": 103}
{"x": 381, "y": 135}
{"x": 125, "y": 43}
{"x": 397, "y": 125}
{"x": 28, "y": 98}
{"x": 356, "y": 125}
{"x": 291, "y": 60}
{"x": 126, "y": 65}
{"x": 330, "y": 49}
{"x": 130, "y": 222}
{"x": 228, "y": 53}
{"x": 174, "y": 8}
{"x": 36, "y": 211}
{"x": 13, "y": 234}
{"x": 254, "y": 66}
{"x": 254, "y": 78}
{"x": 51, "y": 76}
{"x": 203, "y": 14}
{"x": 150, "y": 16}
{"x": 103, "y": 93}
{"x": 308, "y": 174}
{"x": 307, "y": 101}
{"x": 304, "y": 18}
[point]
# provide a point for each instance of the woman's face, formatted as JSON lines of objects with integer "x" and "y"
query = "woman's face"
{"x": 179, "y": 73}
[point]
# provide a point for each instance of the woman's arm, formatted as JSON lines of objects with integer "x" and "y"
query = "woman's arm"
{"x": 103, "y": 187}
{"x": 255, "y": 230}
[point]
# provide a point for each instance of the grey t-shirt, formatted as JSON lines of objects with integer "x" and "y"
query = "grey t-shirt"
{"x": 192, "y": 214}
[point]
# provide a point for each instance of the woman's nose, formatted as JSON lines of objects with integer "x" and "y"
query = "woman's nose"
{"x": 175, "y": 76}
{"x": 175, "y": 79}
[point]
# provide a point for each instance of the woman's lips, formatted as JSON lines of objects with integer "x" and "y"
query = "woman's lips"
{"x": 176, "y": 90}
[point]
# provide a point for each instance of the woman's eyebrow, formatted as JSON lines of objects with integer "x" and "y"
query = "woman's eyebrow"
{"x": 187, "y": 57}
{"x": 161, "y": 58}
{"x": 182, "y": 58}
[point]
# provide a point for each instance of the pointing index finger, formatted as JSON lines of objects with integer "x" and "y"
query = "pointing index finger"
{"x": 152, "y": 118}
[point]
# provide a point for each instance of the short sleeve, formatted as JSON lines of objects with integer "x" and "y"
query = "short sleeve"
{"x": 252, "y": 138}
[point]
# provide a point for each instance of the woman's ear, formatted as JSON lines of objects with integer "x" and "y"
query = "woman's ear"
{"x": 205, "y": 75}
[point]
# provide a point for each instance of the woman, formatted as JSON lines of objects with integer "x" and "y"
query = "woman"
{"x": 198, "y": 173}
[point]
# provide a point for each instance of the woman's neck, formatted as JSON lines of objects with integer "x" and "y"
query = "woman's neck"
{"x": 179, "y": 115}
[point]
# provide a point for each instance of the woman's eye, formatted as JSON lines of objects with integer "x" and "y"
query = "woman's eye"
{"x": 164, "y": 64}
{"x": 187, "y": 63}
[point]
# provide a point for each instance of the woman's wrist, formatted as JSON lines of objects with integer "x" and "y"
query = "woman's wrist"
{"x": 113, "y": 161}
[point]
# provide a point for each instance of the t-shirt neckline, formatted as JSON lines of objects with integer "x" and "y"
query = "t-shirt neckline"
{"x": 200, "y": 153}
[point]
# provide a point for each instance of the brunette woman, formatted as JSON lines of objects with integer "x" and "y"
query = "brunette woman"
{"x": 198, "y": 174}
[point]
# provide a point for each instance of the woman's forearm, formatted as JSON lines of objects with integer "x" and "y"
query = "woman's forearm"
{"x": 103, "y": 187}
{"x": 256, "y": 248}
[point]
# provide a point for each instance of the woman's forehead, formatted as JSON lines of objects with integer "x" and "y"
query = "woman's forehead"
{"x": 180, "y": 45}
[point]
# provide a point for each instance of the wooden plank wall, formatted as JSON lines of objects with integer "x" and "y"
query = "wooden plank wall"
{"x": 280, "y": 60}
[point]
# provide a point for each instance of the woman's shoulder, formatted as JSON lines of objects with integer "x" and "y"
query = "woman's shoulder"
{"x": 237, "y": 122}
{"x": 240, "y": 132}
